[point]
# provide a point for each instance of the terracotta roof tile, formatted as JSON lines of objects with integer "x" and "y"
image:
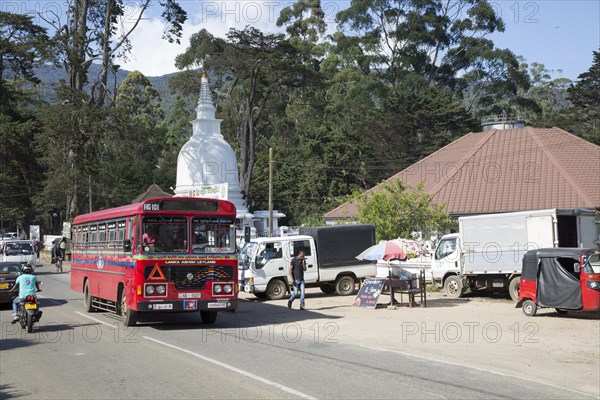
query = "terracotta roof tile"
{"x": 153, "y": 191}
{"x": 506, "y": 170}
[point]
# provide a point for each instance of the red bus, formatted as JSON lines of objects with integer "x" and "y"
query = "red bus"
{"x": 162, "y": 255}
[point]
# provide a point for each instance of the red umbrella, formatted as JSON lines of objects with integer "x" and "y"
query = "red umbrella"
{"x": 384, "y": 250}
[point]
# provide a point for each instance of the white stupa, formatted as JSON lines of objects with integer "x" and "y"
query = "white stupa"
{"x": 207, "y": 165}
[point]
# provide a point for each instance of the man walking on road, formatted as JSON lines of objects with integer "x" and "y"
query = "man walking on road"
{"x": 297, "y": 268}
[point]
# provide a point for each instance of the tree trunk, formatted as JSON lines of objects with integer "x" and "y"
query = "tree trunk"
{"x": 77, "y": 69}
{"x": 106, "y": 55}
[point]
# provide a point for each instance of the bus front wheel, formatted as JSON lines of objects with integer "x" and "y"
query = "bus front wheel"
{"x": 129, "y": 316}
{"x": 208, "y": 317}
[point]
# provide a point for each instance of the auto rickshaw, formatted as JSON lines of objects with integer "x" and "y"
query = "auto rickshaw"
{"x": 567, "y": 279}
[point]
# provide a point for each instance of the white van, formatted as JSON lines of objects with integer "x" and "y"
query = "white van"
{"x": 20, "y": 251}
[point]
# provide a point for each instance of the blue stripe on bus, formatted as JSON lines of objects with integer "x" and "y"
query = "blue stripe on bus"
{"x": 107, "y": 263}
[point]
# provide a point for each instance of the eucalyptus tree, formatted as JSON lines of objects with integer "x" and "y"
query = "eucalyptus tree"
{"x": 585, "y": 96}
{"x": 445, "y": 42}
{"x": 92, "y": 31}
{"x": 22, "y": 46}
{"x": 250, "y": 66}
{"x": 89, "y": 31}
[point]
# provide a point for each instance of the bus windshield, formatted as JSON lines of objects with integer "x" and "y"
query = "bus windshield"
{"x": 165, "y": 234}
{"x": 213, "y": 236}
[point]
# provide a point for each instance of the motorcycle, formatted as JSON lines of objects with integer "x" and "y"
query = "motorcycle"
{"x": 28, "y": 312}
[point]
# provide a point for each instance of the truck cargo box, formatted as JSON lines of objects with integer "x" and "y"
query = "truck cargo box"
{"x": 340, "y": 244}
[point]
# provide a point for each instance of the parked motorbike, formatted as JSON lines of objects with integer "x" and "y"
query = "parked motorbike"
{"x": 28, "y": 312}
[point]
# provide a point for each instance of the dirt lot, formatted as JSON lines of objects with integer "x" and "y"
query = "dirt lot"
{"x": 483, "y": 332}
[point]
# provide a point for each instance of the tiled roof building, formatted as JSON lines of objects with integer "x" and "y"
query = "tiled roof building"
{"x": 153, "y": 191}
{"x": 505, "y": 170}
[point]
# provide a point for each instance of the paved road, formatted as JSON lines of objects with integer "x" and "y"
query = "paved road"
{"x": 263, "y": 350}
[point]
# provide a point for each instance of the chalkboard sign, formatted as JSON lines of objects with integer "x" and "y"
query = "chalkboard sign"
{"x": 369, "y": 293}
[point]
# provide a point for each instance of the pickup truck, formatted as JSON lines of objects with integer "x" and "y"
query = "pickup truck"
{"x": 330, "y": 253}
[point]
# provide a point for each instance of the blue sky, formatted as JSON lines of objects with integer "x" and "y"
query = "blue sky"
{"x": 561, "y": 34}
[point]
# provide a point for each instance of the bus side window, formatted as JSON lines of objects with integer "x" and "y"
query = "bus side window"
{"x": 130, "y": 234}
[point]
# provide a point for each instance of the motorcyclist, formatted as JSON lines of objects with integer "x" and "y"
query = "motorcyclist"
{"x": 27, "y": 285}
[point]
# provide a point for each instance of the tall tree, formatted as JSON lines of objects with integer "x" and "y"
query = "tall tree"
{"x": 252, "y": 65}
{"x": 89, "y": 35}
{"x": 585, "y": 96}
{"x": 22, "y": 45}
{"x": 433, "y": 38}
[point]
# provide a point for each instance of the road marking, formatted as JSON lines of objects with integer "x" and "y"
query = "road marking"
{"x": 95, "y": 319}
{"x": 472, "y": 367}
{"x": 234, "y": 369}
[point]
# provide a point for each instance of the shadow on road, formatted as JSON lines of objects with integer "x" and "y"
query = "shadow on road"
{"x": 11, "y": 392}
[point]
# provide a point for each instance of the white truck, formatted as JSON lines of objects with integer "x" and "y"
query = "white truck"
{"x": 330, "y": 254}
{"x": 488, "y": 250}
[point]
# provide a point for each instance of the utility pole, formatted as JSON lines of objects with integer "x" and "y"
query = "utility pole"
{"x": 90, "y": 191}
{"x": 270, "y": 192}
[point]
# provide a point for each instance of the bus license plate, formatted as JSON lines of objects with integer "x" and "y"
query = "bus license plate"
{"x": 163, "y": 306}
{"x": 30, "y": 306}
{"x": 217, "y": 305}
{"x": 189, "y": 295}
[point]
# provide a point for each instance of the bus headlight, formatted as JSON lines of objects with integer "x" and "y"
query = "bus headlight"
{"x": 227, "y": 288}
{"x": 217, "y": 288}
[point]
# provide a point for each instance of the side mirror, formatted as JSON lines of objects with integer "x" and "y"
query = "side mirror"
{"x": 127, "y": 245}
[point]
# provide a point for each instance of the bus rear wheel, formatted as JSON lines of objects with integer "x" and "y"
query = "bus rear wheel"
{"x": 208, "y": 317}
{"x": 129, "y": 316}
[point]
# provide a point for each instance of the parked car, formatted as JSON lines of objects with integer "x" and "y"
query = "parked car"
{"x": 9, "y": 271}
{"x": 12, "y": 236}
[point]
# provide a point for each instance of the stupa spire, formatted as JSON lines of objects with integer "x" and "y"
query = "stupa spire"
{"x": 206, "y": 108}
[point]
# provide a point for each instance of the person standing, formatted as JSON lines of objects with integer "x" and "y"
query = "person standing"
{"x": 297, "y": 268}
{"x": 37, "y": 246}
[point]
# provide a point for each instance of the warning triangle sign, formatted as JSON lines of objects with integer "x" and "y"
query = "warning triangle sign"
{"x": 156, "y": 274}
